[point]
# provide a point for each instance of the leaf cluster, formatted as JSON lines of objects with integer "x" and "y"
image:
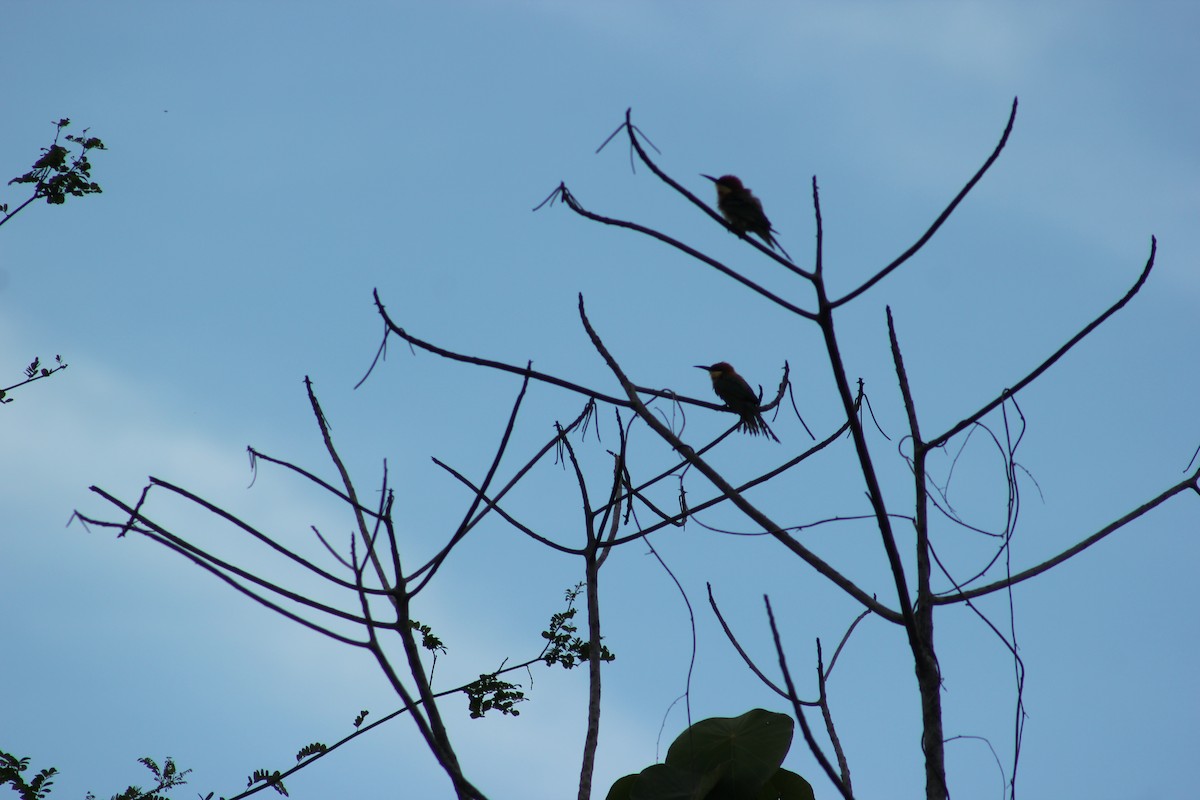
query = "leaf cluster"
{"x": 166, "y": 777}
{"x": 564, "y": 646}
{"x": 489, "y": 693}
{"x": 429, "y": 640}
{"x": 310, "y": 750}
{"x": 58, "y": 173}
{"x": 272, "y": 778}
{"x": 11, "y": 768}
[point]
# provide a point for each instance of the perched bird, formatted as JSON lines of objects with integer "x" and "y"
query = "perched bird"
{"x": 742, "y": 210}
{"x": 737, "y": 394}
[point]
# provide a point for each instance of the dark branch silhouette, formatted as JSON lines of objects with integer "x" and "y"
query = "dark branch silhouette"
{"x": 615, "y": 510}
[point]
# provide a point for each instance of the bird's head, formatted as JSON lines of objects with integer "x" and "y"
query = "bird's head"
{"x": 718, "y": 369}
{"x": 726, "y": 183}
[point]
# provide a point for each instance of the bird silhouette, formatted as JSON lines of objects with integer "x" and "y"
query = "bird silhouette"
{"x": 741, "y": 399}
{"x": 743, "y": 211}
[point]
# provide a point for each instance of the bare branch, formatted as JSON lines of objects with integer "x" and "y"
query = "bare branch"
{"x": 226, "y": 573}
{"x": 254, "y": 532}
{"x": 592, "y": 738}
{"x": 356, "y": 506}
{"x": 435, "y": 563}
{"x": 850, "y": 406}
{"x": 493, "y": 505}
{"x": 761, "y": 479}
{"x": 524, "y": 372}
{"x": 937, "y": 223}
{"x": 845, "y": 638}
{"x": 799, "y": 712}
{"x": 1182, "y": 486}
{"x": 575, "y": 206}
{"x": 729, "y": 491}
{"x": 712, "y": 601}
{"x": 1049, "y": 362}
{"x": 632, "y": 130}
{"x": 256, "y": 455}
{"x": 827, "y": 715}
{"x": 921, "y": 516}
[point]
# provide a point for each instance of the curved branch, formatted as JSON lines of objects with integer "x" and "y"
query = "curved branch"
{"x": 226, "y": 572}
{"x": 574, "y": 205}
{"x": 712, "y": 601}
{"x": 260, "y": 536}
{"x": 645, "y": 159}
{"x": 937, "y": 223}
{"x": 1049, "y": 362}
{"x": 256, "y": 455}
{"x": 958, "y": 597}
{"x": 533, "y": 374}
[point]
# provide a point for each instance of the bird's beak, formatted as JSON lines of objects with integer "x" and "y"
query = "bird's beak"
{"x": 710, "y": 177}
{"x": 700, "y": 366}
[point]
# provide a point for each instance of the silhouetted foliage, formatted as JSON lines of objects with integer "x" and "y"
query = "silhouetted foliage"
{"x": 61, "y": 171}
{"x": 167, "y": 777}
{"x": 58, "y": 173}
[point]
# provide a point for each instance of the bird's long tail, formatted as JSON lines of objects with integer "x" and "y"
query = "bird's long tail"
{"x": 756, "y": 425}
{"x": 775, "y": 243}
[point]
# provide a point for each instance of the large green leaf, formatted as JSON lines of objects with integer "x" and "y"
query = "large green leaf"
{"x": 747, "y": 750}
{"x": 665, "y": 782}
{"x": 622, "y": 788}
{"x": 786, "y": 785}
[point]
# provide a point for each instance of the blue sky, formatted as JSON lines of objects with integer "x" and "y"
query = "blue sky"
{"x": 270, "y": 164}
